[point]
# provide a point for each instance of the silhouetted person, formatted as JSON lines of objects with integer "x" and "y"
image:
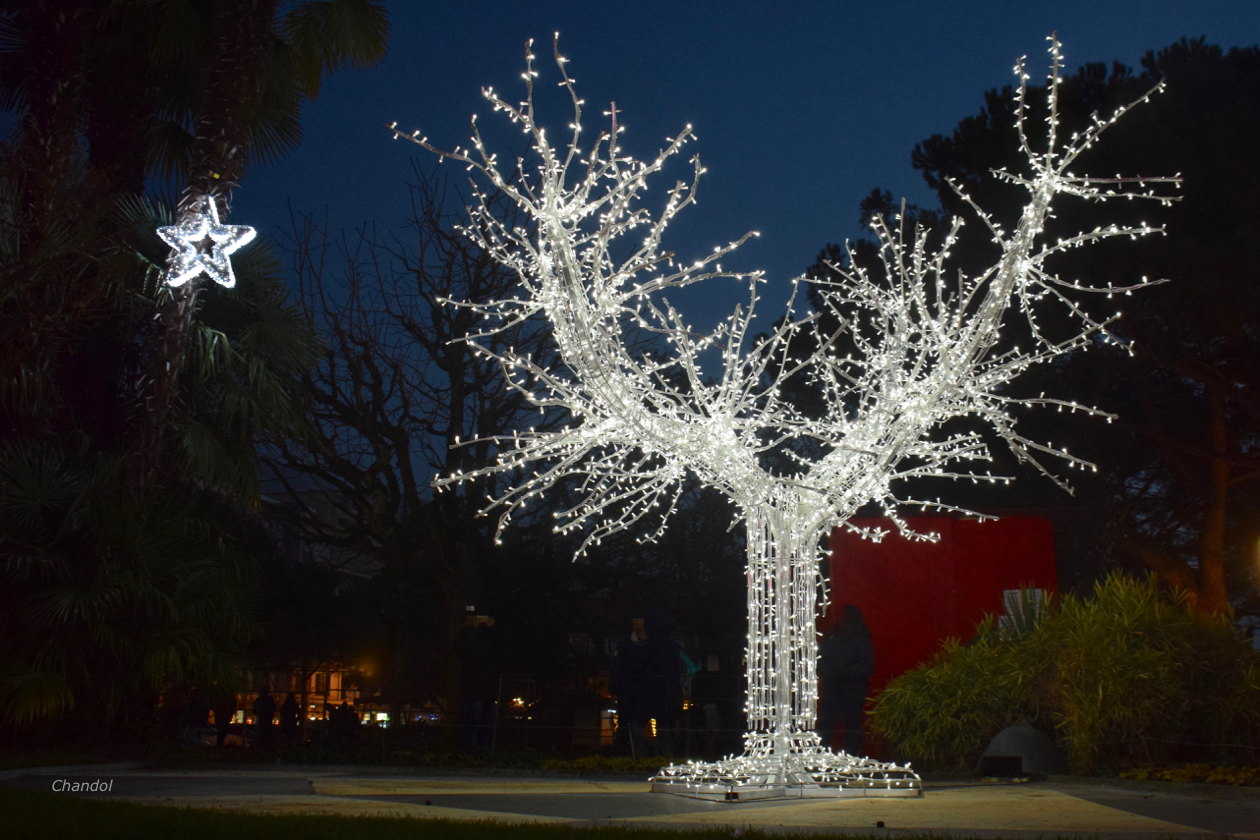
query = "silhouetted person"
{"x": 196, "y": 716}
{"x": 344, "y": 722}
{"x": 479, "y": 664}
{"x": 665, "y": 672}
{"x": 625, "y": 683}
{"x": 649, "y": 681}
{"x": 224, "y": 704}
{"x": 846, "y": 661}
{"x": 289, "y": 711}
{"x": 173, "y": 705}
{"x": 264, "y": 715}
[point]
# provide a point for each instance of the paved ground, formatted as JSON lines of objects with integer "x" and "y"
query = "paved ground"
{"x": 1062, "y": 806}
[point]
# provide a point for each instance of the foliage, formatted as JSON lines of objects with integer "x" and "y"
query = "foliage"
{"x": 942, "y": 714}
{"x": 1128, "y": 674}
{"x": 141, "y": 80}
{"x": 110, "y": 589}
{"x": 114, "y": 583}
{"x": 106, "y": 596}
{"x": 1211, "y": 774}
{"x": 245, "y": 352}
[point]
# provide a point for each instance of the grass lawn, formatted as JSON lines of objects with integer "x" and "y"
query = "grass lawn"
{"x": 46, "y": 816}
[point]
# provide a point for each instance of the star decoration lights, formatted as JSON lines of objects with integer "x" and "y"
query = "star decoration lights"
{"x": 918, "y": 346}
{"x": 203, "y": 244}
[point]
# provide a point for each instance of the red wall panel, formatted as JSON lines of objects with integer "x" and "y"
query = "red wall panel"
{"x": 914, "y": 594}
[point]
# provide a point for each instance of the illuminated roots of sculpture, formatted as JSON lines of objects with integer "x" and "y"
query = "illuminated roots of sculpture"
{"x": 924, "y": 350}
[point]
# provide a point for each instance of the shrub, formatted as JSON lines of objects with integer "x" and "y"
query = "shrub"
{"x": 942, "y": 714}
{"x": 1127, "y": 675}
{"x": 1206, "y": 773}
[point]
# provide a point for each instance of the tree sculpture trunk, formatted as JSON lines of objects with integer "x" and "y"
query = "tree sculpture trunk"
{"x": 783, "y": 586}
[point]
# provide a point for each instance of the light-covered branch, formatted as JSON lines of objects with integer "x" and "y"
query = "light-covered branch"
{"x": 923, "y": 343}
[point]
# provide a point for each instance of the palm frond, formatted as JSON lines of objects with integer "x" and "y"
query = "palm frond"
{"x": 35, "y": 483}
{"x": 14, "y": 58}
{"x": 276, "y": 127}
{"x": 257, "y": 263}
{"x": 182, "y": 28}
{"x": 223, "y": 464}
{"x": 28, "y": 695}
{"x": 325, "y": 36}
{"x": 139, "y": 217}
{"x": 170, "y": 150}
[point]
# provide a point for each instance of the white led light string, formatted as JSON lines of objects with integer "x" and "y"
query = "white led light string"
{"x": 924, "y": 354}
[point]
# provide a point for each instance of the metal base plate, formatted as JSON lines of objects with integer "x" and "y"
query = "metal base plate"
{"x": 813, "y": 773}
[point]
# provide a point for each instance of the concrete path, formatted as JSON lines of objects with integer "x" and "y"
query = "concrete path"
{"x": 1059, "y": 807}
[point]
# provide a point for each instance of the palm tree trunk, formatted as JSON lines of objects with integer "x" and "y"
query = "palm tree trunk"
{"x": 161, "y": 391}
{"x": 50, "y": 128}
{"x": 245, "y": 31}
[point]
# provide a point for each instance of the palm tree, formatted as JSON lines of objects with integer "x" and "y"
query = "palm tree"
{"x": 175, "y": 88}
{"x": 164, "y": 88}
{"x": 261, "y": 66}
{"x": 108, "y": 585}
{"x": 106, "y": 595}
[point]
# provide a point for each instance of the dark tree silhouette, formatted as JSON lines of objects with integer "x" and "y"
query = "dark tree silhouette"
{"x": 394, "y": 398}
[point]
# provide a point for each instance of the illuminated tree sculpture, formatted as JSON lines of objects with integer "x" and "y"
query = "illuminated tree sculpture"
{"x": 923, "y": 348}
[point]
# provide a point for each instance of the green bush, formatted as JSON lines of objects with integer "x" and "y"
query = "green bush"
{"x": 1128, "y": 675}
{"x": 942, "y": 714}
{"x": 1205, "y": 773}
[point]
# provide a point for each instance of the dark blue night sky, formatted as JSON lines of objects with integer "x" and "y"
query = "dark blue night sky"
{"x": 801, "y": 108}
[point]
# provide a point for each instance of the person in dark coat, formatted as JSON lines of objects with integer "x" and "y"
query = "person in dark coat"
{"x": 663, "y": 696}
{"x": 626, "y": 685}
{"x": 289, "y": 711}
{"x": 196, "y": 717}
{"x": 223, "y": 701}
{"x": 846, "y": 661}
{"x": 344, "y": 723}
{"x": 479, "y": 663}
{"x": 648, "y": 682}
{"x": 264, "y": 716}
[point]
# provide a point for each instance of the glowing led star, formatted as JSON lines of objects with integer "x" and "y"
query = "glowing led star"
{"x": 917, "y": 347}
{"x": 202, "y": 244}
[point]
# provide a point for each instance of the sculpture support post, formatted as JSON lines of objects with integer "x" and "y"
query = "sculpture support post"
{"x": 783, "y": 757}
{"x": 782, "y": 643}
